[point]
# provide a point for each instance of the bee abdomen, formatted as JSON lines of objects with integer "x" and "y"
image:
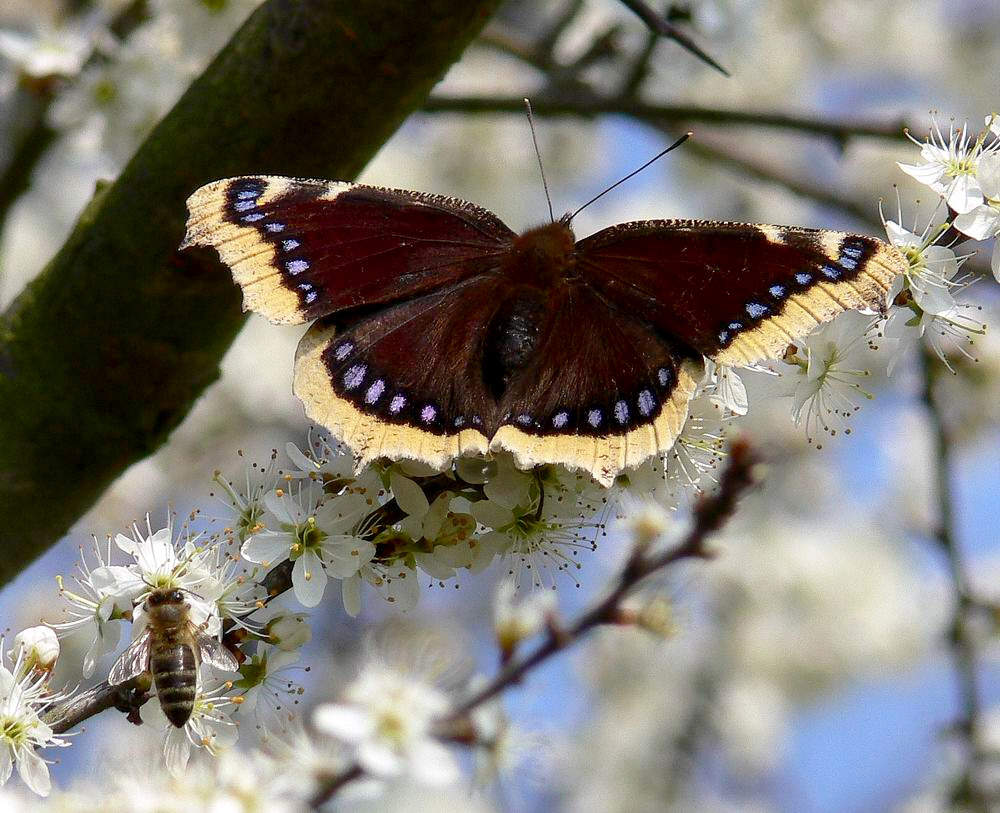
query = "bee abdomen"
{"x": 175, "y": 675}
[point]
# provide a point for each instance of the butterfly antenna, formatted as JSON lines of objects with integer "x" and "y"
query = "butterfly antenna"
{"x": 634, "y": 172}
{"x": 538, "y": 155}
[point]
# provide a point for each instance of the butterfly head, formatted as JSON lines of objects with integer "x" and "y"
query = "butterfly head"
{"x": 543, "y": 256}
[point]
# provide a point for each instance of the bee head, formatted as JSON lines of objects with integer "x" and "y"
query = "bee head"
{"x": 160, "y": 597}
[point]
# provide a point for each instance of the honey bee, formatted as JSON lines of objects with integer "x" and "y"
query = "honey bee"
{"x": 171, "y": 648}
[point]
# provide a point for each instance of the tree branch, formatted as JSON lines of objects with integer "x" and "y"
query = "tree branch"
{"x": 591, "y": 105}
{"x": 968, "y": 792}
{"x": 106, "y": 351}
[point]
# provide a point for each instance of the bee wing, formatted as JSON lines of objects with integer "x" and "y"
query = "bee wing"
{"x": 215, "y": 653}
{"x": 133, "y": 661}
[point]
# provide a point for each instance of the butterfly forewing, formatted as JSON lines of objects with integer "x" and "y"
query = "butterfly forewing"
{"x": 736, "y": 292}
{"x": 301, "y": 249}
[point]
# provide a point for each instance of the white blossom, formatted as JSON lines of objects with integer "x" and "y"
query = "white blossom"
{"x": 949, "y": 166}
{"x": 386, "y": 718}
{"x": 267, "y": 687}
{"x": 536, "y": 527}
{"x": 983, "y": 222}
{"x": 159, "y": 562}
{"x": 827, "y": 383}
{"x": 930, "y": 267}
{"x": 247, "y": 503}
{"x": 210, "y": 727}
{"x": 22, "y": 731}
{"x": 316, "y": 533}
{"x": 95, "y": 611}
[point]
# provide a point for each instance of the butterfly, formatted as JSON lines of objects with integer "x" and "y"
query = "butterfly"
{"x": 438, "y": 331}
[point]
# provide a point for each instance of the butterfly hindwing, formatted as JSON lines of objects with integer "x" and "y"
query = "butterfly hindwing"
{"x": 406, "y": 381}
{"x": 302, "y": 249}
{"x": 737, "y": 293}
{"x": 604, "y": 392}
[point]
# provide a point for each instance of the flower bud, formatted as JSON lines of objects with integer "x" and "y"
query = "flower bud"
{"x": 39, "y": 647}
{"x": 514, "y": 620}
{"x": 289, "y": 631}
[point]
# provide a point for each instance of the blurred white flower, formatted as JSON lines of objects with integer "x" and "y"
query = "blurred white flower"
{"x": 386, "y": 717}
{"x": 55, "y": 51}
{"x": 518, "y": 615}
{"x": 502, "y": 748}
{"x": 648, "y": 523}
{"x": 235, "y": 783}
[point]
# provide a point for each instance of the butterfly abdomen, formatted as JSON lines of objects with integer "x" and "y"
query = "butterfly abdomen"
{"x": 513, "y": 336}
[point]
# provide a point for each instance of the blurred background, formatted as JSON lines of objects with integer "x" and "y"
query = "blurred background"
{"x": 811, "y": 668}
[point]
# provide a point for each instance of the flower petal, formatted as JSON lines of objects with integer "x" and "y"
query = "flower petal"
{"x": 344, "y": 722}
{"x": 308, "y": 579}
{"x": 409, "y": 496}
{"x": 964, "y": 194}
{"x": 350, "y": 592}
{"x": 980, "y": 223}
{"x": 267, "y": 547}
{"x": 176, "y": 750}
{"x": 33, "y": 770}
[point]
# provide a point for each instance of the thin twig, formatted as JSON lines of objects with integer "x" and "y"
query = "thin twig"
{"x": 709, "y": 515}
{"x": 589, "y": 106}
{"x": 755, "y": 168}
{"x": 662, "y": 26}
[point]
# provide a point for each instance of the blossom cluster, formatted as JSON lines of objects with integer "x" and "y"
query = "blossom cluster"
{"x": 392, "y": 527}
{"x": 825, "y": 372}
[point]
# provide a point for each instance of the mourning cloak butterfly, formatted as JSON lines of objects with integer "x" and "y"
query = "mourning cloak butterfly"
{"x": 441, "y": 332}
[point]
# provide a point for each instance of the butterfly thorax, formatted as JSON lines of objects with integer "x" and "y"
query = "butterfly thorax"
{"x": 542, "y": 256}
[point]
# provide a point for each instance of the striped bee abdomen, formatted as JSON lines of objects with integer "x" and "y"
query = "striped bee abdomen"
{"x": 175, "y": 675}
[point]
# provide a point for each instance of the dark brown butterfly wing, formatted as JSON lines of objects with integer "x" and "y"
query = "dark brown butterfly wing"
{"x": 735, "y": 292}
{"x": 302, "y": 249}
{"x": 605, "y": 391}
{"x": 406, "y": 381}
